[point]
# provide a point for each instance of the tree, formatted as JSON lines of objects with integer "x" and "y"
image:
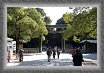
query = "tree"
{"x": 41, "y": 11}
{"x": 83, "y": 23}
{"x": 47, "y": 20}
{"x": 31, "y": 12}
{"x": 24, "y": 24}
{"x": 15, "y": 27}
{"x": 86, "y": 23}
{"x": 60, "y": 21}
{"x": 68, "y": 17}
{"x": 78, "y": 10}
{"x": 42, "y": 20}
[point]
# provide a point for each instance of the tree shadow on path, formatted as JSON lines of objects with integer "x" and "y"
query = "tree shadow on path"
{"x": 44, "y": 62}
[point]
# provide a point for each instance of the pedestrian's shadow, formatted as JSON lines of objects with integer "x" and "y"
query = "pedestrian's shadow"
{"x": 44, "y": 62}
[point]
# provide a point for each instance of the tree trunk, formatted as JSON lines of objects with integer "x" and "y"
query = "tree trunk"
{"x": 17, "y": 47}
{"x": 17, "y": 41}
{"x": 40, "y": 44}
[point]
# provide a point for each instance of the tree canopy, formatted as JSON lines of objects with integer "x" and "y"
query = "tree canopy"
{"x": 84, "y": 23}
{"x": 47, "y": 20}
{"x": 25, "y": 23}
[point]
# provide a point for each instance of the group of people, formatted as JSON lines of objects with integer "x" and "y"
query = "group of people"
{"x": 76, "y": 54}
{"x": 20, "y": 55}
{"x": 54, "y": 51}
{"x": 77, "y": 57}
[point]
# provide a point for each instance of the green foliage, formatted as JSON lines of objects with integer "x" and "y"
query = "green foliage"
{"x": 67, "y": 32}
{"x": 26, "y": 26}
{"x": 83, "y": 23}
{"x": 9, "y": 17}
{"x": 47, "y": 20}
{"x": 60, "y": 21}
{"x": 25, "y": 23}
{"x": 76, "y": 39}
{"x": 68, "y": 17}
{"x": 41, "y": 11}
{"x": 78, "y": 10}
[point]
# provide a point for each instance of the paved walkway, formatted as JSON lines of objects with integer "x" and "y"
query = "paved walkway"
{"x": 40, "y": 59}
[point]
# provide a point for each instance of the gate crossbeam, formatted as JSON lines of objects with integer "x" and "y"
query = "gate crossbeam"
{"x": 56, "y": 26}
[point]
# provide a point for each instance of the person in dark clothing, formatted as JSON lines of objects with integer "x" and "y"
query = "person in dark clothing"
{"x": 49, "y": 52}
{"x": 74, "y": 51}
{"x": 78, "y": 58}
{"x": 58, "y": 52}
{"x": 21, "y": 54}
{"x": 54, "y": 53}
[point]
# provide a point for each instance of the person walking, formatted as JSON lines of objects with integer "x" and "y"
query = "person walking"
{"x": 9, "y": 56}
{"x": 54, "y": 53}
{"x": 74, "y": 51}
{"x": 78, "y": 58}
{"x": 21, "y": 55}
{"x": 49, "y": 52}
{"x": 58, "y": 52}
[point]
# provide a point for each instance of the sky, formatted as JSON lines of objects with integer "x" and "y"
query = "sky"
{"x": 55, "y": 13}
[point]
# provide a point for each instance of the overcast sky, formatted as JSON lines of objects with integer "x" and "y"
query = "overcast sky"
{"x": 55, "y": 13}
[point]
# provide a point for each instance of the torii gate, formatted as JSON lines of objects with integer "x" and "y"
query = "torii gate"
{"x": 62, "y": 26}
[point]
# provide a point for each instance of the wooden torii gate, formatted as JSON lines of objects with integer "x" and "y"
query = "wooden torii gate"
{"x": 62, "y": 26}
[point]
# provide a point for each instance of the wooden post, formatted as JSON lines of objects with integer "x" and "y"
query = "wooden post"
{"x": 63, "y": 45}
{"x": 63, "y": 41}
